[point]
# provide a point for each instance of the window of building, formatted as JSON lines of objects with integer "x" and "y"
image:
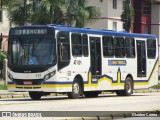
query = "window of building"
{"x": 119, "y": 47}
{"x": 108, "y": 48}
{"x": 76, "y": 44}
{"x": 114, "y": 4}
{"x": 146, "y": 10}
{"x": 0, "y": 15}
{"x": 115, "y": 26}
{"x": 151, "y": 48}
{"x": 130, "y": 47}
{"x": 85, "y": 45}
{"x": 146, "y": 31}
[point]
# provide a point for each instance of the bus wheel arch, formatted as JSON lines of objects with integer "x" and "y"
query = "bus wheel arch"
{"x": 77, "y": 87}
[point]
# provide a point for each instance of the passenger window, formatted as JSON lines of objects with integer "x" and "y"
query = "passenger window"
{"x": 130, "y": 47}
{"x": 151, "y": 48}
{"x": 119, "y": 47}
{"x": 76, "y": 44}
{"x": 85, "y": 45}
{"x": 108, "y": 49}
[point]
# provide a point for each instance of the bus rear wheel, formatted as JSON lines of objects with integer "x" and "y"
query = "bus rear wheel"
{"x": 128, "y": 88}
{"x": 35, "y": 95}
{"x": 76, "y": 90}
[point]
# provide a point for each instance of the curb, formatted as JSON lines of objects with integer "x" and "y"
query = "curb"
{"x": 121, "y": 115}
{"x": 24, "y": 95}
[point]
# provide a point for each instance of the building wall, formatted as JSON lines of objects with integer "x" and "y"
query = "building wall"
{"x": 5, "y": 24}
{"x": 155, "y": 25}
{"x": 108, "y": 15}
{"x": 4, "y": 29}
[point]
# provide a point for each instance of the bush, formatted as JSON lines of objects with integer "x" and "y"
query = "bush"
{"x": 2, "y": 57}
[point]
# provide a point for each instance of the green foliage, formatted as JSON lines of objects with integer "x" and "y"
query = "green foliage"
{"x": 3, "y": 87}
{"x": 127, "y": 16}
{"x": 69, "y": 12}
{"x": 2, "y": 57}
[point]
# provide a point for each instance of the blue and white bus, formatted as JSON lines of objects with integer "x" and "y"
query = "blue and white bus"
{"x": 44, "y": 59}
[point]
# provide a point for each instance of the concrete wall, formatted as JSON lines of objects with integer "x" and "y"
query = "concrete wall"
{"x": 5, "y": 24}
{"x": 155, "y": 25}
{"x": 108, "y": 15}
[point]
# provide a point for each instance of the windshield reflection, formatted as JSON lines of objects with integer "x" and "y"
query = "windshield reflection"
{"x": 31, "y": 51}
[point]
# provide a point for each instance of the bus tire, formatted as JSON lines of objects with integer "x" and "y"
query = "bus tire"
{"x": 76, "y": 90}
{"x": 91, "y": 94}
{"x": 128, "y": 90}
{"x": 35, "y": 95}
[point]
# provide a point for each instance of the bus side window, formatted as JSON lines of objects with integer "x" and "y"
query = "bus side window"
{"x": 151, "y": 48}
{"x": 108, "y": 48}
{"x": 85, "y": 45}
{"x": 130, "y": 47}
{"x": 76, "y": 44}
{"x": 63, "y": 49}
{"x": 119, "y": 47}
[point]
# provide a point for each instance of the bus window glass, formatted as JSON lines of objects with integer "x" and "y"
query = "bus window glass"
{"x": 76, "y": 44}
{"x": 31, "y": 51}
{"x": 63, "y": 49}
{"x": 119, "y": 47}
{"x": 85, "y": 45}
{"x": 151, "y": 48}
{"x": 130, "y": 47}
{"x": 108, "y": 49}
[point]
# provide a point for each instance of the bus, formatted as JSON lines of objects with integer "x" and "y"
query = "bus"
{"x": 45, "y": 59}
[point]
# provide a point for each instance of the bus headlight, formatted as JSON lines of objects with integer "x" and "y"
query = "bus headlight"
{"x": 46, "y": 77}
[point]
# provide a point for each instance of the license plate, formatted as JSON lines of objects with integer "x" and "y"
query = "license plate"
{"x": 27, "y": 82}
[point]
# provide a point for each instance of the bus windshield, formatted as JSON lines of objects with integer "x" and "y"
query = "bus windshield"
{"x": 31, "y": 51}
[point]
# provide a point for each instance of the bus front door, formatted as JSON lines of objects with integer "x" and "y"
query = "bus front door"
{"x": 96, "y": 58}
{"x": 141, "y": 59}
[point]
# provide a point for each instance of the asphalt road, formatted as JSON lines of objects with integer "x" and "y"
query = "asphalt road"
{"x": 109, "y": 102}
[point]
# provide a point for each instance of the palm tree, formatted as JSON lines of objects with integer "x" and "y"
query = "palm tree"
{"x": 79, "y": 13}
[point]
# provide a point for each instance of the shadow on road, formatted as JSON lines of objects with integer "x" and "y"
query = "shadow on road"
{"x": 49, "y": 98}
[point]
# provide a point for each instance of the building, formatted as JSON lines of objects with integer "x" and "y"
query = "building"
{"x": 111, "y": 11}
{"x": 4, "y": 28}
{"x": 147, "y": 18}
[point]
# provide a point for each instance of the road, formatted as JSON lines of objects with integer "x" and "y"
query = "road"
{"x": 108, "y": 102}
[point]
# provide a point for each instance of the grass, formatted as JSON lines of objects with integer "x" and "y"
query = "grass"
{"x": 3, "y": 87}
{"x": 156, "y": 86}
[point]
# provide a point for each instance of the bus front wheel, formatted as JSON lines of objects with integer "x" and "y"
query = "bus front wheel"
{"x": 76, "y": 90}
{"x": 35, "y": 95}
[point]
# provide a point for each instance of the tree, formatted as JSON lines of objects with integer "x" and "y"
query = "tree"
{"x": 127, "y": 16}
{"x": 51, "y": 12}
{"x": 80, "y": 13}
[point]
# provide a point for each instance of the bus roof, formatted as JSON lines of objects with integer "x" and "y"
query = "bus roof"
{"x": 92, "y": 31}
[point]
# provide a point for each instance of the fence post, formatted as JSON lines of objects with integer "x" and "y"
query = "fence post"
{"x": 5, "y": 71}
